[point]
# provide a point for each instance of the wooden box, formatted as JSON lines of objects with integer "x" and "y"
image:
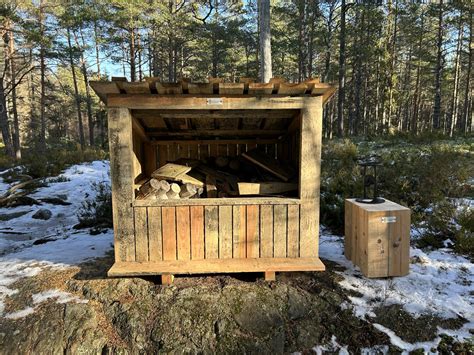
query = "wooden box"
{"x": 377, "y": 238}
{"x": 150, "y": 126}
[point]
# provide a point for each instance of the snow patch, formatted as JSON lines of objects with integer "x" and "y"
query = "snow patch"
{"x": 60, "y": 296}
{"x": 20, "y": 314}
{"x": 66, "y": 247}
{"x": 439, "y": 283}
{"x": 332, "y": 347}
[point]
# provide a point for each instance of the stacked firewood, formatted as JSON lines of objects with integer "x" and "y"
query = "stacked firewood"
{"x": 252, "y": 173}
{"x": 155, "y": 189}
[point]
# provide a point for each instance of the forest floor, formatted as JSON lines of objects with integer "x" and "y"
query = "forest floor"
{"x": 55, "y": 295}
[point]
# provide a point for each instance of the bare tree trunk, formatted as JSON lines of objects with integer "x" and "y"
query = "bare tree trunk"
{"x": 466, "y": 125}
{"x": 42, "y": 138}
{"x": 97, "y": 49}
{"x": 327, "y": 59}
{"x": 90, "y": 119}
{"x": 133, "y": 69}
{"x": 12, "y": 65}
{"x": 139, "y": 51}
{"x": 405, "y": 119}
{"x": 4, "y": 125}
{"x": 357, "y": 72}
{"x": 311, "y": 41}
{"x": 301, "y": 38}
{"x": 265, "y": 40}
{"x": 392, "y": 67}
{"x": 417, "y": 94}
{"x": 438, "y": 71}
{"x": 76, "y": 91}
{"x": 377, "y": 95}
{"x": 453, "y": 112}
{"x": 342, "y": 71}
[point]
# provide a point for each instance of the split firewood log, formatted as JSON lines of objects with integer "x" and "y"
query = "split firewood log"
{"x": 146, "y": 189}
{"x": 211, "y": 188}
{"x": 187, "y": 190}
{"x": 160, "y": 184}
{"x": 161, "y": 195}
{"x": 174, "y": 191}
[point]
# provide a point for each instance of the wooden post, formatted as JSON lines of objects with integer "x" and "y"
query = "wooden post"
{"x": 121, "y": 171}
{"x": 310, "y": 168}
{"x": 167, "y": 279}
{"x": 270, "y": 276}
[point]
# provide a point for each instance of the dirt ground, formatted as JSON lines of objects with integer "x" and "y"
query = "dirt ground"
{"x": 201, "y": 314}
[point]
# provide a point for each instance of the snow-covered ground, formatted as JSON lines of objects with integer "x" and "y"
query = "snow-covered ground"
{"x": 440, "y": 283}
{"x": 21, "y": 258}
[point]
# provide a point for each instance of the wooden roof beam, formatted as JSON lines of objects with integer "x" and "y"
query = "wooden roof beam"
{"x": 216, "y": 133}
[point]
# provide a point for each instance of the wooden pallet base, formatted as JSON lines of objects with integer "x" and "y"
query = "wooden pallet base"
{"x": 210, "y": 266}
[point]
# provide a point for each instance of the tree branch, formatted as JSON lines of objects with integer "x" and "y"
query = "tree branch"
{"x": 203, "y": 20}
{"x": 14, "y": 85}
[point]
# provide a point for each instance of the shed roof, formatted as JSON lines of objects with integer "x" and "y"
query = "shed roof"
{"x": 215, "y": 87}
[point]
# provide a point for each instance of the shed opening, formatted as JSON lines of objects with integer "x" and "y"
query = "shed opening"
{"x": 221, "y": 153}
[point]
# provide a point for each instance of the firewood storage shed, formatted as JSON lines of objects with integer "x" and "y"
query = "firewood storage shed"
{"x": 275, "y": 126}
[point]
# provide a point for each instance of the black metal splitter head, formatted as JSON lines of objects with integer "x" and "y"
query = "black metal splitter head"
{"x": 371, "y": 161}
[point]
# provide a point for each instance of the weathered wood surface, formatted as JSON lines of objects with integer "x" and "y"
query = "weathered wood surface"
{"x": 216, "y": 266}
{"x": 310, "y": 163}
{"x": 219, "y": 201}
{"x": 159, "y": 233}
{"x": 201, "y": 102}
{"x": 377, "y": 238}
{"x": 265, "y": 188}
{"x": 277, "y": 86}
{"x": 190, "y": 232}
{"x": 122, "y": 176}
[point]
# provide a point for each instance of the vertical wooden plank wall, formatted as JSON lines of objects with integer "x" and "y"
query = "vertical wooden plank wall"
{"x": 216, "y": 232}
{"x": 310, "y": 170}
{"x": 122, "y": 175}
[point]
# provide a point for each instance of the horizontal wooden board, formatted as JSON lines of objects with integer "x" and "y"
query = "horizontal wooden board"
{"x": 201, "y": 102}
{"x": 141, "y": 87}
{"x": 216, "y": 266}
{"x": 220, "y": 201}
{"x": 231, "y": 88}
{"x": 264, "y": 188}
{"x": 386, "y": 206}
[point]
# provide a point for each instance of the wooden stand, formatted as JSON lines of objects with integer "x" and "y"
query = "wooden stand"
{"x": 377, "y": 238}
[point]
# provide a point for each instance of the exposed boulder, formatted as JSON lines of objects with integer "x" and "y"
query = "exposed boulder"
{"x": 43, "y": 214}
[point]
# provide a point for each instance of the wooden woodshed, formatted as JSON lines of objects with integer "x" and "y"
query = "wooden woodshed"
{"x": 152, "y": 123}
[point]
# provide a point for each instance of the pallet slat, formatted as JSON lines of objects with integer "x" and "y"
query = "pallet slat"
{"x": 211, "y": 231}
{"x": 155, "y": 241}
{"x": 197, "y": 232}
{"x": 253, "y": 231}
{"x": 279, "y": 230}
{"x": 225, "y": 232}
{"x": 141, "y": 234}
{"x": 239, "y": 231}
{"x": 183, "y": 232}
{"x": 217, "y": 266}
{"x": 266, "y": 231}
{"x": 169, "y": 233}
{"x": 293, "y": 231}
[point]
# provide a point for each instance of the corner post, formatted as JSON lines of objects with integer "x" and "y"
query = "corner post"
{"x": 121, "y": 174}
{"x": 310, "y": 171}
